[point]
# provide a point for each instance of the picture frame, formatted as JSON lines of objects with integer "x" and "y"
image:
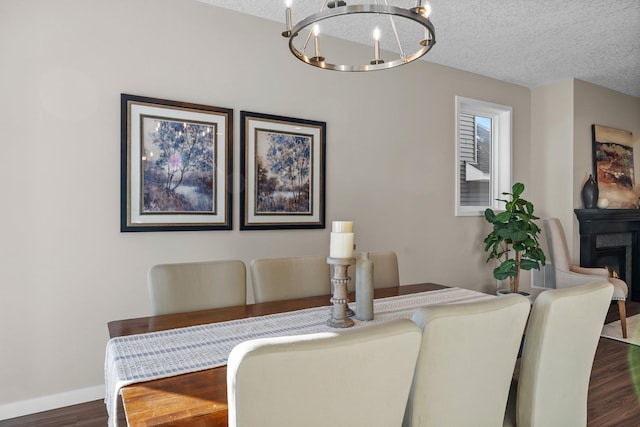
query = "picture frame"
{"x": 176, "y": 165}
{"x": 282, "y": 163}
{"x": 613, "y": 166}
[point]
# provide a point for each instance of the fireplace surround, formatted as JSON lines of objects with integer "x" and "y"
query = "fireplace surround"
{"x": 611, "y": 238}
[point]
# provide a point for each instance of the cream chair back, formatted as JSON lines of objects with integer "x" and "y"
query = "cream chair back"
{"x": 557, "y": 244}
{"x": 191, "y": 286}
{"x": 560, "y": 344}
{"x": 278, "y": 279}
{"x": 466, "y": 362}
{"x": 385, "y": 270}
{"x": 356, "y": 378}
{"x": 568, "y": 275}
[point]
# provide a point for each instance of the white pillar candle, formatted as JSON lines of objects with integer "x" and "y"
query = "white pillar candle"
{"x": 342, "y": 226}
{"x": 341, "y": 245}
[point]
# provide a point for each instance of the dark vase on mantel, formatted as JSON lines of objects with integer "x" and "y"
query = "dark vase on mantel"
{"x": 590, "y": 193}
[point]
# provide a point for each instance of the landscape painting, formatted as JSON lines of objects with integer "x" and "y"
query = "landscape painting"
{"x": 179, "y": 163}
{"x": 283, "y": 173}
{"x": 176, "y": 165}
{"x": 283, "y": 168}
{"x": 613, "y": 166}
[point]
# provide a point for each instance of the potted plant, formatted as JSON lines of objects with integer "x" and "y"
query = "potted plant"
{"x": 514, "y": 239}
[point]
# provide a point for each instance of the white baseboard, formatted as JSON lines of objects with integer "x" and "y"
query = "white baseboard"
{"x": 52, "y": 401}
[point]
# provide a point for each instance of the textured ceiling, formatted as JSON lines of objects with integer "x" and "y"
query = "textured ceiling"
{"x": 529, "y": 43}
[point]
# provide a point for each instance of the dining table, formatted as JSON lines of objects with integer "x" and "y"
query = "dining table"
{"x": 199, "y": 398}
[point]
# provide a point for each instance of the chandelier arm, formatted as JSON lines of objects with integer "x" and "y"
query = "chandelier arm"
{"x": 306, "y": 42}
{"x": 395, "y": 32}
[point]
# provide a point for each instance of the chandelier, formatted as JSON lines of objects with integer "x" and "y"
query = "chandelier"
{"x": 406, "y": 32}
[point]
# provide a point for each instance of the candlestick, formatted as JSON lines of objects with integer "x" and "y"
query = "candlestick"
{"x": 316, "y": 32}
{"x": 289, "y": 24}
{"x": 340, "y": 281}
{"x": 317, "y": 42}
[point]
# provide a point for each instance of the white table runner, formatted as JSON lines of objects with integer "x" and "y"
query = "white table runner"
{"x": 144, "y": 357}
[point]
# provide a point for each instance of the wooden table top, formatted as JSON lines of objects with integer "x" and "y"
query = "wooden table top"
{"x": 200, "y": 398}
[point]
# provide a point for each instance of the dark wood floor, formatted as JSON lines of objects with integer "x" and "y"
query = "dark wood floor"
{"x": 613, "y": 401}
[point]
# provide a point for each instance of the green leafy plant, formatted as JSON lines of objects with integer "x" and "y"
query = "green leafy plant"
{"x": 514, "y": 239}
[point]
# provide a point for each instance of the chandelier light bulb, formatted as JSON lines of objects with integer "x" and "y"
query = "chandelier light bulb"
{"x": 376, "y": 34}
{"x": 427, "y": 9}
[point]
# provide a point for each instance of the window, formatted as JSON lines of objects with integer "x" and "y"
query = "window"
{"x": 483, "y": 155}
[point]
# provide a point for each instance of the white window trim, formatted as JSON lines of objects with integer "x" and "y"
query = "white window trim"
{"x": 501, "y": 148}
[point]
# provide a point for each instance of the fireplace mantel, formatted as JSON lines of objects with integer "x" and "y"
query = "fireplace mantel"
{"x": 598, "y": 222}
{"x": 607, "y": 217}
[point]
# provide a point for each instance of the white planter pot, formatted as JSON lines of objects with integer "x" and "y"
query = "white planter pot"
{"x": 503, "y": 292}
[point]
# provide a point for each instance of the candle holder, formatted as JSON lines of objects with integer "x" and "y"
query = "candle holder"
{"x": 340, "y": 298}
{"x": 350, "y": 313}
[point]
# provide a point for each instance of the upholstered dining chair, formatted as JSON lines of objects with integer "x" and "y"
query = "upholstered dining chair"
{"x": 357, "y": 378}
{"x": 275, "y": 279}
{"x": 568, "y": 275}
{"x": 559, "y": 347}
{"x": 191, "y": 286}
{"x": 385, "y": 270}
{"x": 466, "y": 362}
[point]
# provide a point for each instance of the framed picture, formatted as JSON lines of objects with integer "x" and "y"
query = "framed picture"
{"x": 613, "y": 166}
{"x": 176, "y": 165}
{"x": 283, "y": 164}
